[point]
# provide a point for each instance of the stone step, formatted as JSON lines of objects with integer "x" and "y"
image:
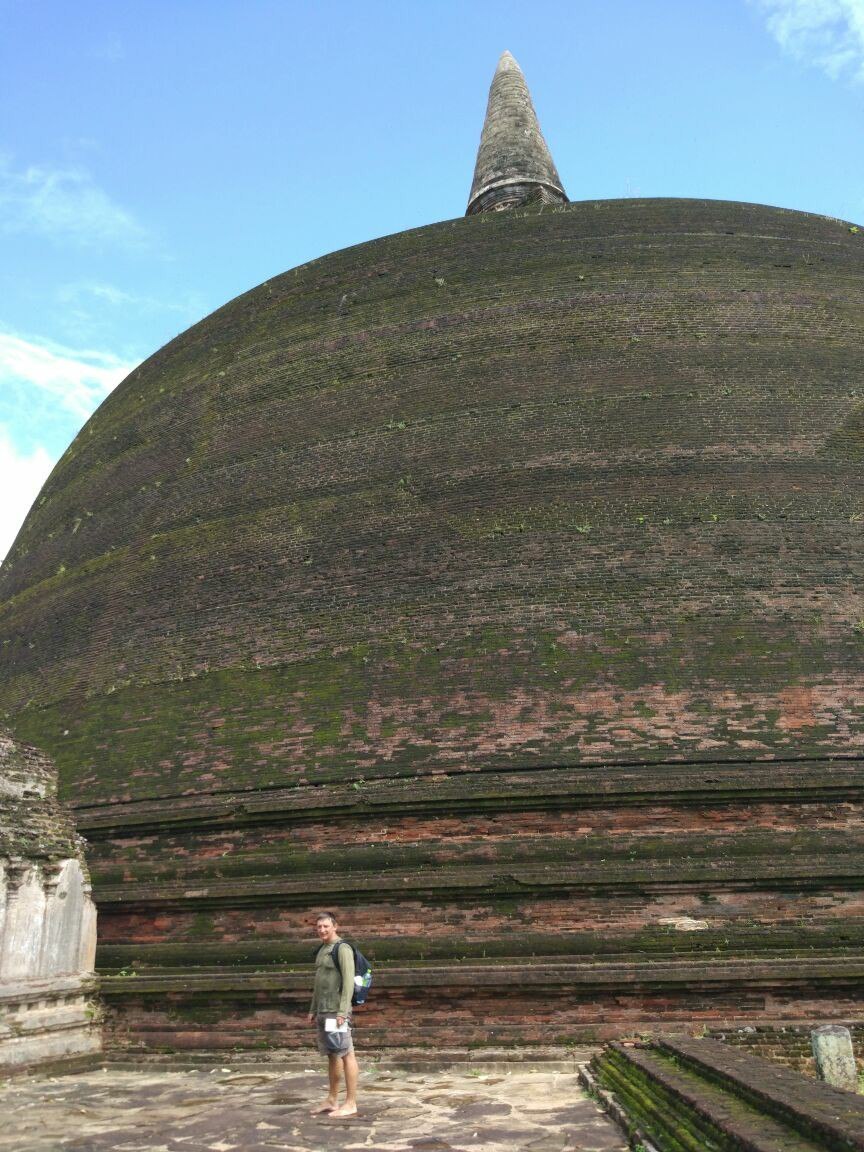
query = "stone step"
{"x": 478, "y": 1060}
{"x": 682, "y": 1110}
{"x": 827, "y": 1113}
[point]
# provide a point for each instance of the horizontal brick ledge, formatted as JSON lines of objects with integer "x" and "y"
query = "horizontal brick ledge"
{"x": 627, "y": 975}
{"x": 55, "y": 987}
{"x": 542, "y": 788}
{"x": 802, "y": 874}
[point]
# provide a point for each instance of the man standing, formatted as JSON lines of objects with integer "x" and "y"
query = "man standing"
{"x": 331, "y": 1011}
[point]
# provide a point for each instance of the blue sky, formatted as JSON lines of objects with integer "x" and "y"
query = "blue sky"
{"x": 157, "y": 158}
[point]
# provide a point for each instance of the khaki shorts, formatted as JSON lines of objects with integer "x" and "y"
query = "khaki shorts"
{"x": 333, "y": 1043}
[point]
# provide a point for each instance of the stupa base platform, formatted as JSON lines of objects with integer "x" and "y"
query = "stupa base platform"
{"x": 494, "y": 1006}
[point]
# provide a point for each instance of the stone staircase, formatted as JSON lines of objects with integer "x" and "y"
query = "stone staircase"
{"x": 680, "y": 1094}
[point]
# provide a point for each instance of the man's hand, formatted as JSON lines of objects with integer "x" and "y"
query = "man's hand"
{"x": 310, "y": 1017}
{"x": 340, "y": 1020}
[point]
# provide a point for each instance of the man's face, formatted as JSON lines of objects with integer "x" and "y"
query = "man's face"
{"x": 326, "y": 930}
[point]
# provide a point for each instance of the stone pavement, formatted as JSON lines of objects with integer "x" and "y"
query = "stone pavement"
{"x": 250, "y": 1110}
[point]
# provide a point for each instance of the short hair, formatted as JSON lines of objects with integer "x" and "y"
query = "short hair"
{"x": 325, "y": 916}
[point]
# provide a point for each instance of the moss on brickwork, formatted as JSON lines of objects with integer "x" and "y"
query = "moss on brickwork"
{"x": 34, "y": 826}
{"x": 376, "y": 522}
{"x": 541, "y": 497}
{"x": 396, "y": 708}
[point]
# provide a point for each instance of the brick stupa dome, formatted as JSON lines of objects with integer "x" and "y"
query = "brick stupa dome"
{"x": 497, "y": 583}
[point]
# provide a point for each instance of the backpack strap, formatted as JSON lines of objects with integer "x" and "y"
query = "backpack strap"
{"x": 334, "y": 956}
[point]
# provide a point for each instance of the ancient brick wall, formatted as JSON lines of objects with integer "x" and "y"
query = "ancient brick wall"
{"x": 498, "y": 583}
{"x": 592, "y": 913}
{"x": 789, "y": 1045}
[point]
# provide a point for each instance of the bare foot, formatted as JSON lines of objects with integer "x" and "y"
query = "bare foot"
{"x": 344, "y": 1112}
{"x": 327, "y": 1106}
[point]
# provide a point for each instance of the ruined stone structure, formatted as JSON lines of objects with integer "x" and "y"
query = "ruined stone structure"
{"x": 47, "y": 919}
{"x": 497, "y": 584}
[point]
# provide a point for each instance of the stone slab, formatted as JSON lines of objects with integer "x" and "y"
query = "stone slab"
{"x": 227, "y": 1108}
{"x": 835, "y": 1059}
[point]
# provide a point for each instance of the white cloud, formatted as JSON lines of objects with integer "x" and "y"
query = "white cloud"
{"x": 65, "y": 204}
{"x": 97, "y": 313}
{"x": 93, "y": 289}
{"x": 78, "y": 380}
{"x": 45, "y": 389}
{"x": 826, "y": 33}
{"x": 88, "y": 291}
{"x": 21, "y": 477}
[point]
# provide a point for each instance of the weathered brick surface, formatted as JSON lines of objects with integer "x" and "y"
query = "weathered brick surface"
{"x": 789, "y": 1044}
{"x": 723, "y": 1102}
{"x": 538, "y": 1004}
{"x": 498, "y": 583}
{"x": 34, "y": 826}
{"x": 814, "y": 1109}
{"x": 618, "y": 523}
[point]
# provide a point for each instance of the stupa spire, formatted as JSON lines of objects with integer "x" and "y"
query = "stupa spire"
{"x": 514, "y": 165}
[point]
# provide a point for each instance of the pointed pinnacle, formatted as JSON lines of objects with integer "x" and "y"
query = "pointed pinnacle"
{"x": 514, "y": 165}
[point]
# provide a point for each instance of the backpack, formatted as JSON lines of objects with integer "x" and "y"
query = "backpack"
{"x": 362, "y": 971}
